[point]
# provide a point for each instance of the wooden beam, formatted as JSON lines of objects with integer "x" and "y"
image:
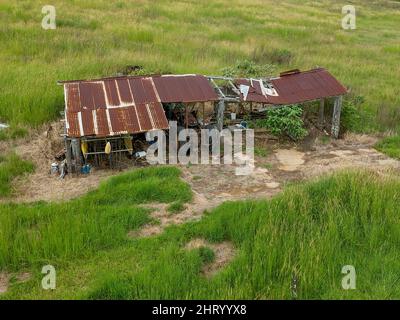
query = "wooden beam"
{"x": 321, "y": 116}
{"x": 68, "y": 155}
{"x": 76, "y": 153}
{"x": 336, "y": 117}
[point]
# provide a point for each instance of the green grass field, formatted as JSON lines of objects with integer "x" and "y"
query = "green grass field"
{"x": 310, "y": 232}
{"x": 390, "y": 146}
{"x": 98, "y": 38}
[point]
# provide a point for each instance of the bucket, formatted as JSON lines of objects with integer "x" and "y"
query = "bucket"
{"x": 54, "y": 168}
{"x": 85, "y": 169}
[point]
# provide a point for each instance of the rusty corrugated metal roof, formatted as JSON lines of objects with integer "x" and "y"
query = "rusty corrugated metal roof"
{"x": 126, "y": 105}
{"x": 295, "y": 87}
{"x": 186, "y": 88}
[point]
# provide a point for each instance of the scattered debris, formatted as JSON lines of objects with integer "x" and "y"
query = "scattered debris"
{"x": 54, "y": 168}
{"x": 224, "y": 253}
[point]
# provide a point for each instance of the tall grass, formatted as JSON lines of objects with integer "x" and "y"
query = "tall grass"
{"x": 12, "y": 166}
{"x": 34, "y": 233}
{"x": 307, "y": 233}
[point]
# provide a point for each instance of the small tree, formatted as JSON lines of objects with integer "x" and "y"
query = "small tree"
{"x": 285, "y": 121}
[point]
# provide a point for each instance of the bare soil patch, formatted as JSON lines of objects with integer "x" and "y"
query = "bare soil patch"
{"x": 224, "y": 253}
{"x": 289, "y": 159}
{"x": 192, "y": 212}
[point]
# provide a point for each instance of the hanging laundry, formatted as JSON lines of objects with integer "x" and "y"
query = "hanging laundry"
{"x": 84, "y": 148}
{"x": 107, "y": 149}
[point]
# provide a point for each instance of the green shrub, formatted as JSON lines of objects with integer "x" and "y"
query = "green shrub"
{"x": 351, "y": 117}
{"x": 261, "y": 152}
{"x": 248, "y": 68}
{"x": 284, "y": 121}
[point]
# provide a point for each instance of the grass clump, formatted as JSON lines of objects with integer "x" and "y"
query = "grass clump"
{"x": 261, "y": 151}
{"x": 207, "y": 254}
{"x": 176, "y": 207}
{"x": 248, "y": 68}
{"x": 12, "y": 166}
{"x": 389, "y": 146}
{"x": 13, "y": 132}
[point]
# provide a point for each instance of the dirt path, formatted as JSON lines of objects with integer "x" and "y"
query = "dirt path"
{"x": 288, "y": 164}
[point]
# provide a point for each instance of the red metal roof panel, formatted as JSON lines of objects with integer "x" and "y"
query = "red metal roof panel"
{"x": 103, "y": 129}
{"x": 113, "y": 106}
{"x": 184, "y": 88}
{"x": 296, "y": 87}
{"x": 72, "y": 124}
{"x": 124, "y": 91}
{"x": 112, "y": 93}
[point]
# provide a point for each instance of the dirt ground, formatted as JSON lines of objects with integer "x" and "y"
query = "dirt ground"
{"x": 40, "y": 148}
{"x": 288, "y": 163}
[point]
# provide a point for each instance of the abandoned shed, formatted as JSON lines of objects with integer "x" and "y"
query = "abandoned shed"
{"x": 112, "y": 110}
{"x": 102, "y": 116}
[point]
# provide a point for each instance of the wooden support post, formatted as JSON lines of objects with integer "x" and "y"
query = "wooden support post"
{"x": 204, "y": 115}
{"x": 220, "y": 114}
{"x": 76, "y": 153}
{"x": 336, "y": 116}
{"x": 321, "y": 116}
{"x": 68, "y": 154}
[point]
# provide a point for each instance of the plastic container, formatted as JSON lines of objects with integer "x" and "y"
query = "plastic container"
{"x": 54, "y": 168}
